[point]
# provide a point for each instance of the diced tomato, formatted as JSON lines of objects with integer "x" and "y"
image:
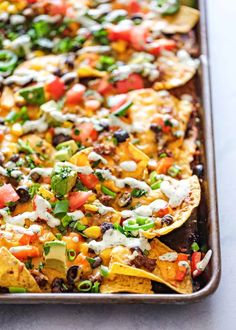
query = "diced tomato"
{"x": 134, "y": 81}
{"x": 157, "y": 46}
{"x": 119, "y": 32}
{"x": 89, "y": 180}
{"x": 26, "y": 252}
{"x": 84, "y": 132}
{"x": 57, "y": 7}
{"x": 161, "y": 213}
{"x": 121, "y": 99}
{"x": 78, "y": 199}
{"x": 75, "y": 94}
{"x": 138, "y": 37}
{"x": 27, "y": 239}
{"x": 181, "y": 273}
{"x": 1, "y": 135}
{"x": 160, "y": 122}
{"x": 164, "y": 164}
{"x": 196, "y": 258}
{"x": 104, "y": 87}
{"x": 7, "y": 195}
{"x": 182, "y": 257}
{"x": 133, "y": 7}
{"x": 56, "y": 88}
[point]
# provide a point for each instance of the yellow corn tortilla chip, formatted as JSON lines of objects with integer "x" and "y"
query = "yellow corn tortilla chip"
{"x": 182, "y": 22}
{"x": 122, "y": 283}
{"x": 181, "y": 213}
{"x": 147, "y": 105}
{"x": 13, "y": 273}
{"x": 164, "y": 272}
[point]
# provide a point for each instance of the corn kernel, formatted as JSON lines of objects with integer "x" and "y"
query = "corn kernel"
{"x": 84, "y": 221}
{"x": 45, "y": 193}
{"x": 93, "y": 232}
{"x": 119, "y": 46}
{"x": 17, "y": 129}
{"x": 92, "y": 198}
{"x": 90, "y": 207}
{"x": 48, "y": 137}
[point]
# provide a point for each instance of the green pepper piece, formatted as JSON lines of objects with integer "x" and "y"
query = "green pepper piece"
{"x": 8, "y": 60}
{"x": 138, "y": 223}
{"x": 14, "y": 289}
{"x": 33, "y": 95}
{"x": 108, "y": 192}
{"x": 122, "y": 111}
{"x": 168, "y": 7}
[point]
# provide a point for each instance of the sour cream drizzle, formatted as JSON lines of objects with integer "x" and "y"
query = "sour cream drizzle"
{"x": 113, "y": 238}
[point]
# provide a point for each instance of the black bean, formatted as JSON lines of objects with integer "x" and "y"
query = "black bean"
{"x": 23, "y": 193}
{"x": 15, "y": 158}
{"x": 73, "y": 273}
{"x": 198, "y": 170}
{"x": 59, "y": 138}
{"x": 4, "y": 290}
{"x": 125, "y": 199}
{"x": 106, "y": 226}
{"x": 69, "y": 60}
{"x": 2, "y": 122}
{"x": 58, "y": 285}
{"x": 41, "y": 280}
{"x": 69, "y": 77}
{"x": 121, "y": 135}
{"x": 58, "y": 72}
{"x": 167, "y": 220}
{"x": 97, "y": 262}
{"x": 35, "y": 176}
{"x": 155, "y": 128}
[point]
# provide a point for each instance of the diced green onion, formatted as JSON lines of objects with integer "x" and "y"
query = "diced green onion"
{"x": 58, "y": 236}
{"x": 90, "y": 260}
{"x": 95, "y": 287}
{"x": 173, "y": 171}
{"x": 138, "y": 223}
{"x": 156, "y": 185}
{"x": 137, "y": 193}
{"x": 195, "y": 247}
{"x": 66, "y": 220}
{"x": 153, "y": 177}
{"x": 71, "y": 254}
{"x": 8, "y": 60}
{"x": 108, "y": 192}
{"x": 14, "y": 289}
{"x": 122, "y": 110}
{"x": 84, "y": 286}
{"x": 104, "y": 271}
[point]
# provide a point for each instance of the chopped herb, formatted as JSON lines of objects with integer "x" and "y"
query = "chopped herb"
{"x": 66, "y": 220}
{"x": 108, "y": 192}
{"x": 99, "y": 176}
{"x": 14, "y": 116}
{"x": 100, "y": 36}
{"x": 79, "y": 186}
{"x": 41, "y": 266}
{"x": 59, "y": 236}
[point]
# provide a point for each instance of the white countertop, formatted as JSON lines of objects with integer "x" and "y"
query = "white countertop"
{"x": 218, "y": 311}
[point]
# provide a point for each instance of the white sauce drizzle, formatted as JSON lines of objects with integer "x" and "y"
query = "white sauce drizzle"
{"x": 95, "y": 157}
{"x": 169, "y": 256}
{"x": 129, "y": 166}
{"x": 176, "y": 191}
{"x": 113, "y": 238}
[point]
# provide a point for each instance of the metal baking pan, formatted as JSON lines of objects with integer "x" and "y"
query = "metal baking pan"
{"x": 207, "y": 214}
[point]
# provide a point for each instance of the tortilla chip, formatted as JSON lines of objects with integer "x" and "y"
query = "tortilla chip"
{"x": 164, "y": 272}
{"x": 177, "y": 69}
{"x": 14, "y": 273}
{"x": 147, "y": 105}
{"x": 182, "y": 22}
{"x": 122, "y": 283}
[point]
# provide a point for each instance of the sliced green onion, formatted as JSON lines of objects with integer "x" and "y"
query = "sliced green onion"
{"x": 108, "y": 192}
{"x": 66, "y": 220}
{"x": 173, "y": 171}
{"x": 95, "y": 287}
{"x": 122, "y": 110}
{"x": 15, "y": 289}
{"x": 71, "y": 254}
{"x": 153, "y": 177}
{"x": 84, "y": 286}
{"x": 138, "y": 193}
{"x": 58, "y": 236}
{"x": 104, "y": 271}
{"x": 138, "y": 223}
{"x": 156, "y": 185}
{"x": 195, "y": 247}
{"x": 90, "y": 260}
{"x": 8, "y": 60}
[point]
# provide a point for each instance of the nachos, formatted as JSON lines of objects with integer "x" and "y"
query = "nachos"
{"x": 98, "y": 146}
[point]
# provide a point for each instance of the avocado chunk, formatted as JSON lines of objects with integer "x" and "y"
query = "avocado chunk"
{"x": 63, "y": 179}
{"x": 66, "y": 150}
{"x": 33, "y": 95}
{"x": 55, "y": 255}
